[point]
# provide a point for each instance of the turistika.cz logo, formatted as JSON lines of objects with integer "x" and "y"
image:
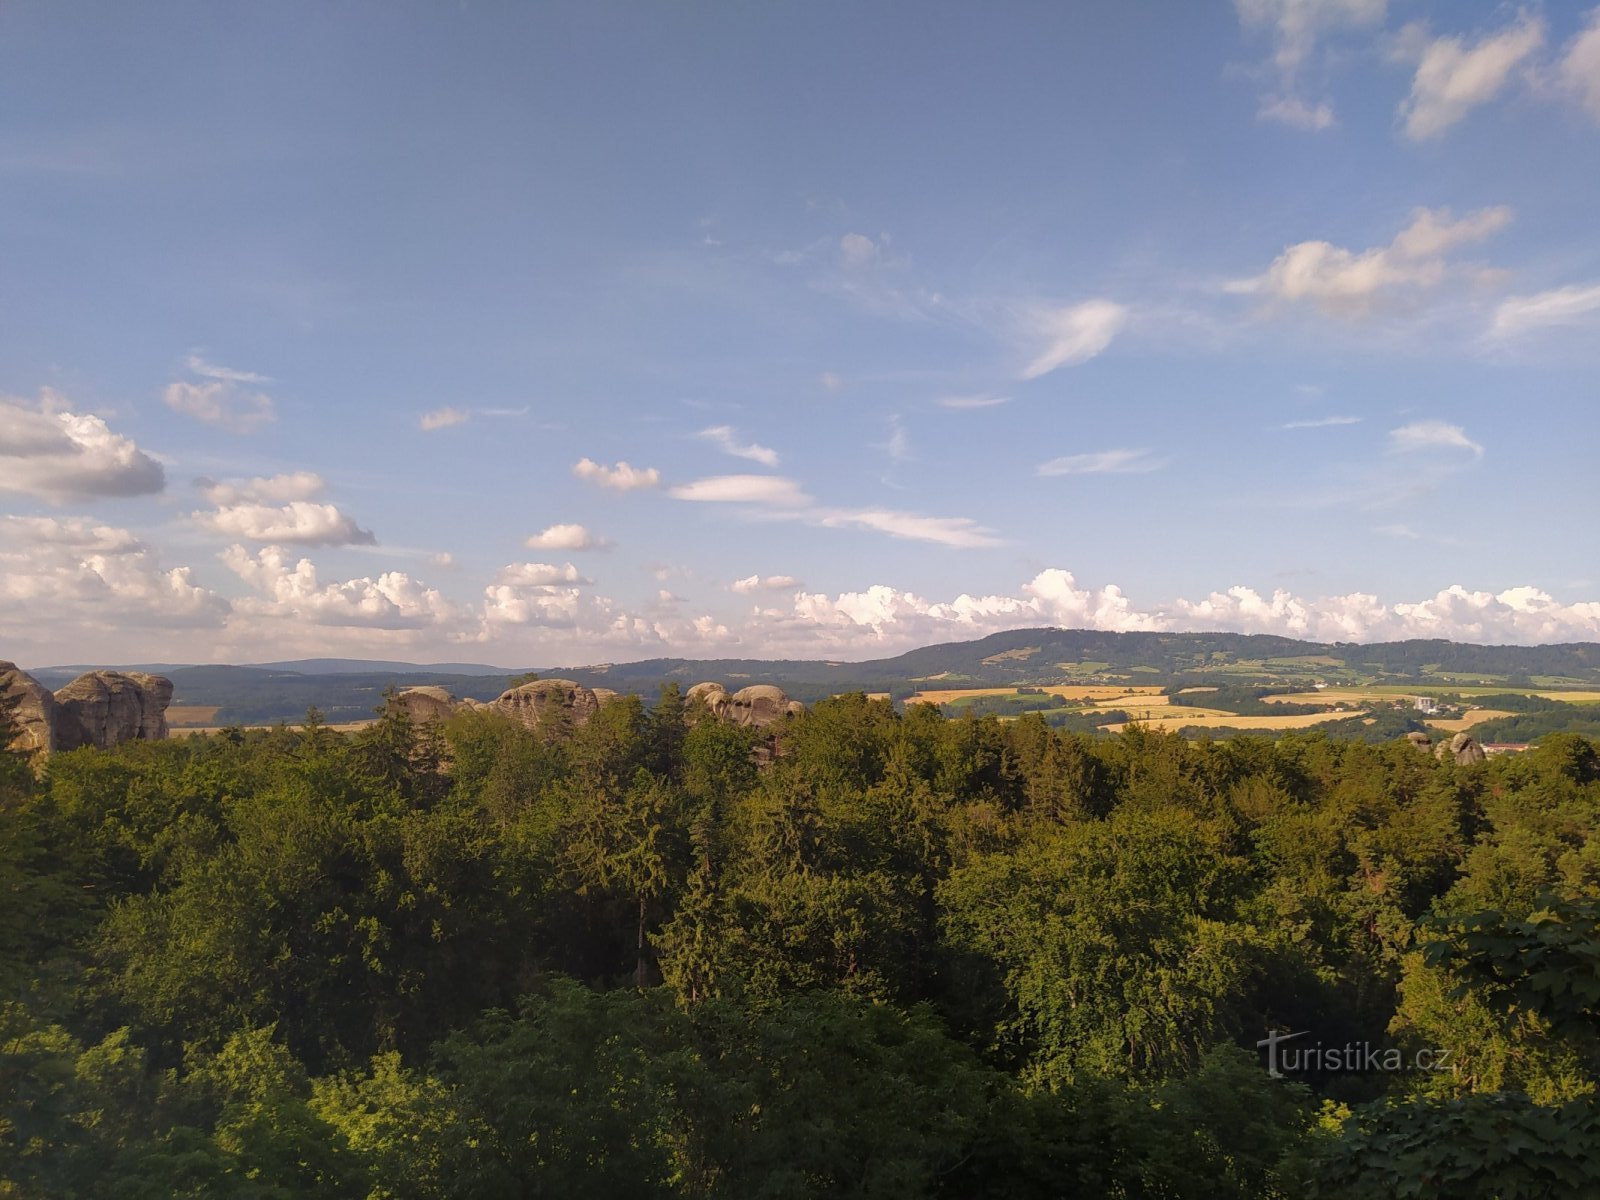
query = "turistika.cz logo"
{"x": 1351, "y": 1057}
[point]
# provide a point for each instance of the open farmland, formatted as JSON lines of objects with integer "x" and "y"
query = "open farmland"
{"x": 1069, "y": 692}
{"x": 1200, "y": 718}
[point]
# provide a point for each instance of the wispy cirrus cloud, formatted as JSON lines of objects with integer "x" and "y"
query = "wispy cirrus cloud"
{"x": 1072, "y": 334}
{"x": 1102, "y": 462}
{"x": 1517, "y": 315}
{"x": 1432, "y": 435}
{"x": 1320, "y": 422}
{"x": 727, "y": 440}
{"x": 1453, "y": 78}
{"x": 1352, "y": 284}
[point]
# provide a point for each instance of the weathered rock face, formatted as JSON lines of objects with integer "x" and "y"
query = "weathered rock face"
{"x": 1420, "y": 740}
{"x": 102, "y": 708}
{"x": 426, "y": 705}
{"x": 1463, "y": 748}
{"x": 548, "y": 702}
{"x": 107, "y": 708}
{"x": 35, "y": 711}
{"x": 759, "y": 705}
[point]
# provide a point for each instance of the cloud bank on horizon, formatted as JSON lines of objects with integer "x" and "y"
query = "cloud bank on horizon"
{"x": 1287, "y": 324}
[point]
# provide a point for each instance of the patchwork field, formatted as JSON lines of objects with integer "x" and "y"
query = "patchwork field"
{"x": 1084, "y": 691}
{"x": 186, "y": 715}
{"x": 1211, "y": 719}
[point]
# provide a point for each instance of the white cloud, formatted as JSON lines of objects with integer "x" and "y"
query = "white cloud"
{"x": 960, "y": 532}
{"x": 294, "y": 485}
{"x": 1344, "y": 283}
{"x": 291, "y": 591}
{"x": 1560, "y": 306}
{"x": 566, "y": 537}
{"x": 1074, "y": 334}
{"x": 1398, "y": 531}
{"x": 1297, "y": 113}
{"x": 1102, "y": 462}
{"x": 442, "y": 418}
{"x": 1452, "y": 79}
{"x": 1578, "y": 71}
{"x": 621, "y": 477}
{"x": 771, "y": 583}
{"x": 444, "y": 559}
{"x": 221, "y": 402}
{"x": 58, "y": 455}
{"x": 78, "y": 576}
{"x": 1296, "y": 28}
{"x": 724, "y": 438}
{"x": 1320, "y": 422}
{"x": 531, "y": 574}
{"x": 773, "y": 490}
{"x": 279, "y": 508}
{"x": 1431, "y": 435}
{"x": 980, "y": 400}
{"x": 197, "y": 365}
{"x": 300, "y": 522}
{"x": 831, "y": 381}
{"x": 858, "y": 249}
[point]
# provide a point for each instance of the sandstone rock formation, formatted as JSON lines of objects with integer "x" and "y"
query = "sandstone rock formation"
{"x": 1420, "y": 740}
{"x": 547, "y": 701}
{"x": 1463, "y": 748}
{"x": 107, "y": 708}
{"x": 759, "y": 705}
{"x": 34, "y": 713}
{"x": 427, "y": 705}
{"x": 102, "y": 708}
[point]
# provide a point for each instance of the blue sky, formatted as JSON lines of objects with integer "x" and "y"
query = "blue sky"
{"x": 584, "y": 332}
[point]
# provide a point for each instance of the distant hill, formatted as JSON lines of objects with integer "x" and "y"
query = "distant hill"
{"x": 351, "y": 689}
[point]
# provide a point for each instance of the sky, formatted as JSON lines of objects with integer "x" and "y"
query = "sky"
{"x": 543, "y": 335}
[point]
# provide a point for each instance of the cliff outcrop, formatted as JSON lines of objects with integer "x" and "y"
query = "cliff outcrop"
{"x": 101, "y": 708}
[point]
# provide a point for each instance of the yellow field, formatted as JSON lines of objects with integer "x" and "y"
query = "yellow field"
{"x": 191, "y": 714}
{"x": 1572, "y": 697}
{"x": 1476, "y": 717}
{"x": 1234, "y": 721}
{"x": 1066, "y": 692}
{"x": 1336, "y": 696}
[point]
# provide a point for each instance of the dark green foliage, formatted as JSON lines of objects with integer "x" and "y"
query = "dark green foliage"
{"x": 886, "y": 955}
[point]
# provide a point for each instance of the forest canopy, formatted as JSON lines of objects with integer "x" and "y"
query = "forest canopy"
{"x": 885, "y": 955}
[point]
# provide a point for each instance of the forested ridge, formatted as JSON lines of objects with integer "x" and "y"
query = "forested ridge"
{"x": 905, "y": 956}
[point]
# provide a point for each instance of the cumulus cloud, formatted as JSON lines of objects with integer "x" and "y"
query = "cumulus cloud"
{"x": 290, "y": 590}
{"x": 1432, "y": 435}
{"x": 80, "y": 575}
{"x": 621, "y": 477}
{"x": 1560, "y": 306}
{"x": 292, "y": 485}
{"x": 770, "y": 583}
{"x": 57, "y": 455}
{"x": 442, "y": 418}
{"x": 883, "y": 619}
{"x": 1578, "y": 71}
{"x": 531, "y": 574}
{"x": 1102, "y": 462}
{"x": 1345, "y": 283}
{"x": 300, "y": 522}
{"x": 723, "y": 437}
{"x": 1073, "y": 335}
{"x": 565, "y": 537}
{"x": 1296, "y": 28}
{"x": 222, "y": 398}
{"x": 1453, "y": 78}
{"x": 770, "y": 490}
{"x": 248, "y": 509}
